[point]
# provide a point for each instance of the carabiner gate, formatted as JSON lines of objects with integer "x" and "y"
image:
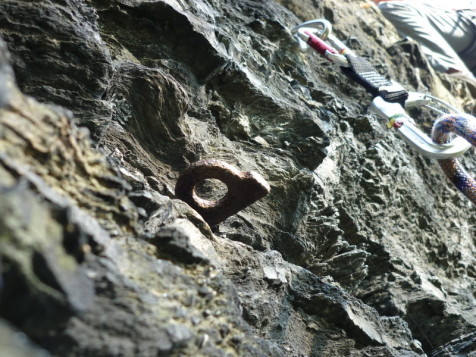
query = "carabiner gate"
{"x": 314, "y": 33}
{"x": 406, "y": 128}
{"x": 320, "y": 27}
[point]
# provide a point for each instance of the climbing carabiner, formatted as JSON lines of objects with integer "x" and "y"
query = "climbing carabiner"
{"x": 405, "y": 126}
{"x": 312, "y": 34}
{"x": 320, "y": 27}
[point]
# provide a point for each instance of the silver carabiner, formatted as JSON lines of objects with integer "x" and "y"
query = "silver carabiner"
{"x": 320, "y": 27}
{"x": 405, "y": 126}
{"x": 313, "y": 34}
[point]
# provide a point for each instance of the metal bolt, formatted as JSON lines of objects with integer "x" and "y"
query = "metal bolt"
{"x": 244, "y": 188}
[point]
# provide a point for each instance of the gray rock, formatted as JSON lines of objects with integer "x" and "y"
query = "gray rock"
{"x": 6, "y": 74}
{"x": 16, "y": 344}
{"x": 462, "y": 346}
{"x": 58, "y": 55}
{"x": 49, "y": 284}
{"x": 3, "y": 90}
{"x": 361, "y": 248}
{"x": 175, "y": 241}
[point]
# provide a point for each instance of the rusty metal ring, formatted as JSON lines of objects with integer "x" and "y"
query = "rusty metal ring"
{"x": 244, "y": 188}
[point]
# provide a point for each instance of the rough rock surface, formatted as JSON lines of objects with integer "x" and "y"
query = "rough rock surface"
{"x": 361, "y": 249}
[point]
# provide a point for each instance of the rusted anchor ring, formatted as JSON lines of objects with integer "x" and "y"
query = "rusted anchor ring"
{"x": 244, "y": 188}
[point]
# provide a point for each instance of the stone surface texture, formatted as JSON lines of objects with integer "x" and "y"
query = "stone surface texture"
{"x": 362, "y": 248}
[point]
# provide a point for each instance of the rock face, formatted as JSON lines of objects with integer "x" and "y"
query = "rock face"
{"x": 361, "y": 249}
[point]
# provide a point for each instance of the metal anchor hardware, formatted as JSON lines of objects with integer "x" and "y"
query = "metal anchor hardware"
{"x": 314, "y": 33}
{"x": 407, "y": 129}
{"x": 244, "y": 188}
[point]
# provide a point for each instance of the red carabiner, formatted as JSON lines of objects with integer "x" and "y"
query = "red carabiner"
{"x": 319, "y": 45}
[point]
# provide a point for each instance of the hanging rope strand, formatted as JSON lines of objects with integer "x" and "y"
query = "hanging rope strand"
{"x": 463, "y": 125}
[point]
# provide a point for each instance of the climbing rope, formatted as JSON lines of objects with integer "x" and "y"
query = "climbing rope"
{"x": 463, "y": 125}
